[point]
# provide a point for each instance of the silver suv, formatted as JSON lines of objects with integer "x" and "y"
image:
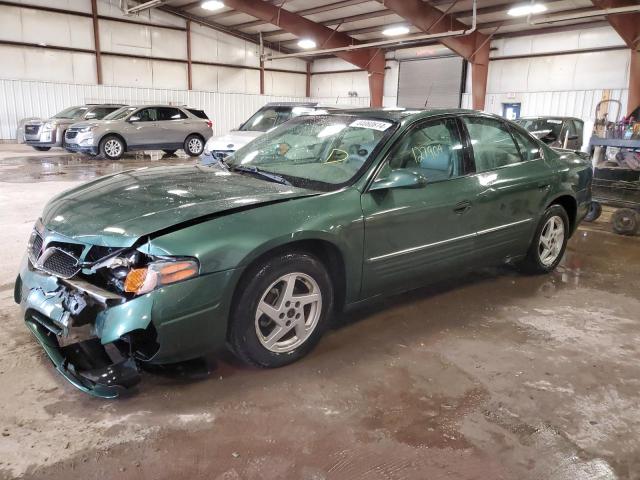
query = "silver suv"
{"x": 142, "y": 127}
{"x": 44, "y": 134}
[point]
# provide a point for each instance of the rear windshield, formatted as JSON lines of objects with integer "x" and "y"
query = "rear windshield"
{"x": 198, "y": 113}
{"x": 73, "y": 112}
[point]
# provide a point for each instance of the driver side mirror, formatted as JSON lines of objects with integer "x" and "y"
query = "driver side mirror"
{"x": 134, "y": 118}
{"x": 399, "y": 179}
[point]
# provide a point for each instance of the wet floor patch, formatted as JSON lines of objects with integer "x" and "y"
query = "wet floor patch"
{"x": 78, "y": 167}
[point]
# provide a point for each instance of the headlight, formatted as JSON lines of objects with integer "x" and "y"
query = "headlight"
{"x": 49, "y": 126}
{"x": 90, "y": 128}
{"x": 159, "y": 273}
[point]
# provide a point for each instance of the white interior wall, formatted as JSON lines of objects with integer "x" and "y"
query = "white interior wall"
{"x": 25, "y": 25}
{"x": 564, "y": 84}
{"x": 42, "y": 99}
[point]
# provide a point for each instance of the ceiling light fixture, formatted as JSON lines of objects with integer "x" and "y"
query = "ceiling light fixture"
{"x": 395, "y": 31}
{"x": 212, "y": 5}
{"x": 307, "y": 43}
{"x": 522, "y": 10}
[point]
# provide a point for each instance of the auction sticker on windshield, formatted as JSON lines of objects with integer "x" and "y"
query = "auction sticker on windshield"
{"x": 372, "y": 124}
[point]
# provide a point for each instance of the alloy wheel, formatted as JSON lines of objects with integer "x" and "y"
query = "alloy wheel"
{"x": 288, "y": 312}
{"x": 194, "y": 145}
{"x": 551, "y": 240}
{"x": 113, "y": 147}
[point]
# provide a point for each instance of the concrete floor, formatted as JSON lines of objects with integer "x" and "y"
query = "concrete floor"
{"x": 493, "y": 376}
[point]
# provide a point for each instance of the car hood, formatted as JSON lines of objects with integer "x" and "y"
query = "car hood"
{"x": 117, "y": 210}
{"x": 232, "y": 140}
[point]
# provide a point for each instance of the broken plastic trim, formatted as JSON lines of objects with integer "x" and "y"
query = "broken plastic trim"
{"x": 104, "y": 380}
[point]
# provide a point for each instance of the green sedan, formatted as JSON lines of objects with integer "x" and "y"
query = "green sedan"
{"x": 322, "y": 214}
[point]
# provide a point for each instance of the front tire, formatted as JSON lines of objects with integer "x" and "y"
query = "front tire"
{"x": 282, "y": 311}
{"x": 112, "y": 147}
{"x": 194, "y": 145}
{"x": 549, "y": 242}
{"x": 42, "y": 149}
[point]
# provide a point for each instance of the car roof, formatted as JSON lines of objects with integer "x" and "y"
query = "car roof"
{"x": 105, "y": 105}
{"x": 397, "y": 114}
{"x": 290, "y": 104}
{"x": 550, "y": 117}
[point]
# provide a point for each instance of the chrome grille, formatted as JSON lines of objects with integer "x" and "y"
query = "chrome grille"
{"x": 31, "y": 129}
{"x": 71, "y": 134}
{"x": 35, "y": 246}
{"x": 53, "y": 257}
{"x": 59, "y": 263}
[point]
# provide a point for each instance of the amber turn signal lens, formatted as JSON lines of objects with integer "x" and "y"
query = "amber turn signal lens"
{"x": 135, "y": 279}
{"x": 174, "y": 272}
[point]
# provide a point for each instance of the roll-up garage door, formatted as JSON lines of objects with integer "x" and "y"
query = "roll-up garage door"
{"x": 430, "y": 82}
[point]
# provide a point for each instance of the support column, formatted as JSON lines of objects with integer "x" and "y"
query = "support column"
{"x": 479, "y": 74}
{"x": 261, "y": 77}
{"x": 308, "y": 90}
{"x": 634, "y": 82}
{"x": 375, "y": 70}
{"x": 189, "y": 70}
{"x": 96, "y": 41}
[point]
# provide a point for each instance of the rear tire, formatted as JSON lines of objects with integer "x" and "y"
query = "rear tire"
{"x": 42, "y": 149}
{"x": 595, "y": 210}
{"x": 282, "y": 309}
{"x": 112, "y": 147}
{"x": 549, "y": 241}
{"x": 625, "y": 221}
{"x": 194, "y": 145}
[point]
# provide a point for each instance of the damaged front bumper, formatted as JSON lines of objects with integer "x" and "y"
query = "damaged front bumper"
{"x": 60, "y": 314}
{"x": 96, "y": 339}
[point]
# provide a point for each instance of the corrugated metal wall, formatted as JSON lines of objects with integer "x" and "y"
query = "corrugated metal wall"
{"x": 574, "y": 103}
{"x": 22, "y": 98}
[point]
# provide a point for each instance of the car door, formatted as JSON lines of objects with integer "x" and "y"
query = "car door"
{"x": 415, "y": 234}
{"x": 513, "y": 183}
{"x": 172, "y": 123}
{"x": 143, "y": 130}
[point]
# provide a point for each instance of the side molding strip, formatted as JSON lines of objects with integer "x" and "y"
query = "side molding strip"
{"x": 441, "y": 242}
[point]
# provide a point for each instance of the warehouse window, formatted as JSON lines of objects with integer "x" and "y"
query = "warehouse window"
{"x": 493, "y": 145}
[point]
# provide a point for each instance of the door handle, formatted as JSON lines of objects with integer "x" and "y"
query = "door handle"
{"x": 462, "y": 207}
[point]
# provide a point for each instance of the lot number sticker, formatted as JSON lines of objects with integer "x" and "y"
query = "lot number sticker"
{"x": 372, "y": 124}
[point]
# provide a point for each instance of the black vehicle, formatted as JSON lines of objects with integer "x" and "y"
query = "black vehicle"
{"x": 557, "y": 132}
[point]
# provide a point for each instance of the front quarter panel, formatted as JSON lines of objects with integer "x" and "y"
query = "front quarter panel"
{"x": 234, "y": 240}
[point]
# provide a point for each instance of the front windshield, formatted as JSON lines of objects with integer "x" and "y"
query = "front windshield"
{"x": 267, "y": 118}
{"x": 319, "y": 152}
{"x": 543, "y": 128}
{"x": 72, "y": 112}
{"x": 120, "y": 113}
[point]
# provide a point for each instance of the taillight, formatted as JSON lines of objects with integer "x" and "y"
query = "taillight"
{"x": 209, "y": 124}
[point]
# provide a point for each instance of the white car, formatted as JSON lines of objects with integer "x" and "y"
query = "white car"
{"x": 268, "y": 117}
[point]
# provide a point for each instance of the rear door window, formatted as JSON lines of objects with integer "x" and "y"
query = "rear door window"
{"x": 492, "y": 143}
{"x": 529, "y": 149}
{"x": 165, "y": 113}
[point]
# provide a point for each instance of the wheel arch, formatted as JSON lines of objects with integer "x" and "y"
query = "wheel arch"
{"x": 326, "y": 251}
{"x": 570, "y": 205}
{"x": 113, "y": 134}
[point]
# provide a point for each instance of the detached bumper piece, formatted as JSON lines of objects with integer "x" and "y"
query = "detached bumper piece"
{"x": 87, "y": 365}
